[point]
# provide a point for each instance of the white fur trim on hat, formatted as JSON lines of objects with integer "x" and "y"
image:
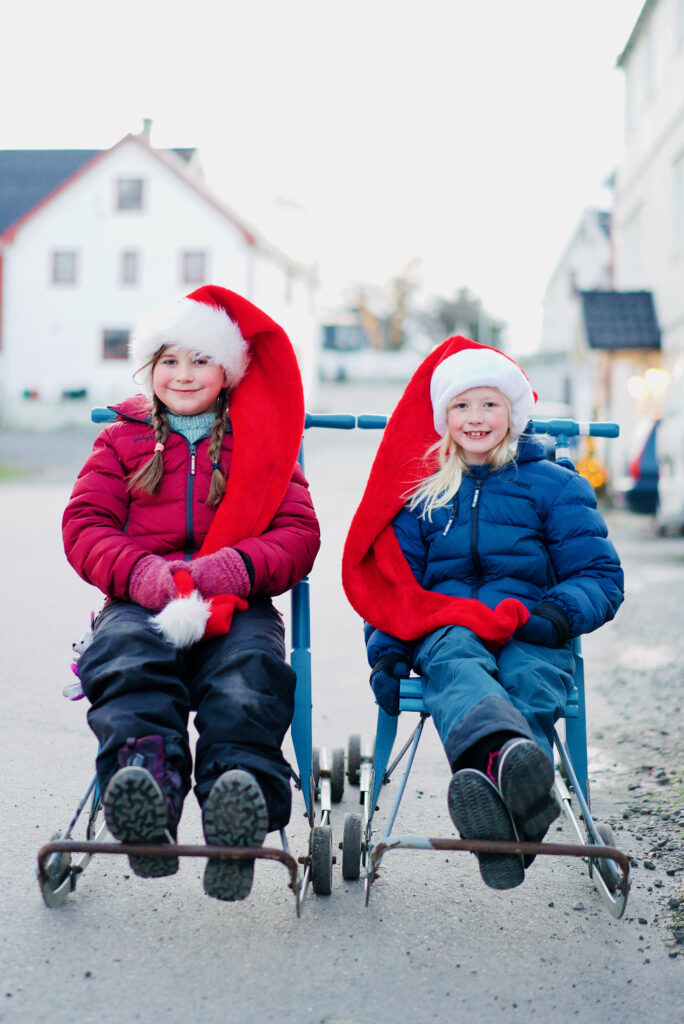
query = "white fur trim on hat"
{"x": 193, "y": 326}
{"x": 481, "y": 367}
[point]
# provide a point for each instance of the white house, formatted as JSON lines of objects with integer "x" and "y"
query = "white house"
{"x": 563, "y": 372}
{"x": 649, "y": 193}
{"x": 91, "y": 241}
{"x": 596, "y": 338}
{"x": 649, "y": 219}
{"x": 586, "y": 263}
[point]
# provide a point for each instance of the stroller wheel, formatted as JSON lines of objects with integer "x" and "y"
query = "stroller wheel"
{"x": 351, "y": 847}
{"x": 321, "y": 860}
{"x": 354, "y": 759}
{"x": 337, "y": 775}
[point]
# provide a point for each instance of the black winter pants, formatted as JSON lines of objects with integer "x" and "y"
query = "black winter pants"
{"x": 239, "y": 685}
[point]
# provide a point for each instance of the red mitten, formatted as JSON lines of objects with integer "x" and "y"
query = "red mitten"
{"x": 151, "y": 582}
{"x": 224, "y": 572}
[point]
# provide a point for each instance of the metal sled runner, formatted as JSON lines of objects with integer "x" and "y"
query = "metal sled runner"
{"x": 64, "y": 858}
{"x": 362, "y": 854}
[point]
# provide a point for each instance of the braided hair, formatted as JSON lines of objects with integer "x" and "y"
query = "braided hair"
{"x": 217, "y": 486}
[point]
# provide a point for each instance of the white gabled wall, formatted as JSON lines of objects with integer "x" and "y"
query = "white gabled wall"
{"x": 53, "y": 334}
{"x": 648, "y": 254}
{"x": 585, "y": 265}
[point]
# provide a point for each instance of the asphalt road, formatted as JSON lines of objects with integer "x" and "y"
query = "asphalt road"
{"x": 434, "y": 943}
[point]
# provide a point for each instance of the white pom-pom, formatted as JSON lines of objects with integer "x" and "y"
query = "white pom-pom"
{"x": 183, "y": 621}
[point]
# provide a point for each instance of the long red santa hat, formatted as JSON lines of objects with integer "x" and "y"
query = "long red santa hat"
{"x": 377, "y": 579}
{"x": 266, "y": 393}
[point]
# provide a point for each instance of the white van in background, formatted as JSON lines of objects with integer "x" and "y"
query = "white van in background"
{"x": 670, "y": 449}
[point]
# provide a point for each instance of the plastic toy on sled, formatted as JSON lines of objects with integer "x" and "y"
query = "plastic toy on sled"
{"x": 64, "y": 858}
{"x": 363, "y": 852}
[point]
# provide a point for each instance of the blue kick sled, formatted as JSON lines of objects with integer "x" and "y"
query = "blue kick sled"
{"x": 362, "y": 853}
{"x": 319, "y": 776}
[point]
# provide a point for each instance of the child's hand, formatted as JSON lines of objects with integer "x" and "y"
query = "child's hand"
{"x": 547, "y": 626}
{"x": 151, "y": 582}
{"x": 221, "y": 573}
{"x": 385, "y": 680}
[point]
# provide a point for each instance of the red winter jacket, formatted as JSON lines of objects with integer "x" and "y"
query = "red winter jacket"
{"x": 107, "y": 528}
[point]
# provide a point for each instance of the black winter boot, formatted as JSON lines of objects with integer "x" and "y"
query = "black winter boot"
{"x": 234, "y": 814}
{"x": 143, "y": 802}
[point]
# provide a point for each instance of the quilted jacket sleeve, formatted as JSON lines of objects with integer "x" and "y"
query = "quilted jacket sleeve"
{"x": 589, "y": 583}
{"x": 285, "y": 552}
{"x": 94, "y": 521}
{"x": 379, "y": 643}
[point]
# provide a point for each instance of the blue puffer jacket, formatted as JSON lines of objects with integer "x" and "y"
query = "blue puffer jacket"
{"x": 529, "y": 530}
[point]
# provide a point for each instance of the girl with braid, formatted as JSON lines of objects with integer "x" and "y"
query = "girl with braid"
{"x": 190, "y": 514}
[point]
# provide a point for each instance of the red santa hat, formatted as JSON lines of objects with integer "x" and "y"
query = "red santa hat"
{"x": 377, "y": 579}
{"x": 267, "y": 420}
{"x": 196, "y": 323}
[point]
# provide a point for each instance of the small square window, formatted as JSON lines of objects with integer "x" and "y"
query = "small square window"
{"x": 64, "y": 268}
{"x": 129, "y": 194}
{"x": 193, "y": 267}
{"x": 130, "y": 265}
{"x": 115, "y": 344}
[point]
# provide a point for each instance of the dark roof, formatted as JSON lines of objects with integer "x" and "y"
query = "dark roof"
{"x": 28, "y": 176}
{"x": 184, "y": 154}
{"x": 620, "y": 320}
{"x": 603, "y": 218}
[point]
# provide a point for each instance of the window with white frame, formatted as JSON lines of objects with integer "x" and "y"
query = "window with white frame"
{"x": 115, "y": 343}
{"x": 129, "y": 193}
{"x": 64, "y": 267}
{"x": 678, "y": 205}
{"x": 193, "y": 267}
{"x": 129, "y": 268}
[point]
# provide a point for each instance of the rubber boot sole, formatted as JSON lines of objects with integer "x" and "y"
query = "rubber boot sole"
{"x": 478, "y": 812}
{"x": 525, "y": 776}
{"x": 136, "y": 812}
{"x": 234, "y": 814}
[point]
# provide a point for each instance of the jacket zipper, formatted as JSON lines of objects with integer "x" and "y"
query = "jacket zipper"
{"x": 451, "y": 519}
{"x": 189, "y": 526}
{"x": 475, "y": 509}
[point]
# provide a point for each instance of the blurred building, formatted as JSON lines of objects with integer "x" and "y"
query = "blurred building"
{"x": 563, "y": 373}
{"x": 648, "y": 227}
{"x": 91, "y": 241}
{"x": 615, "y": 303}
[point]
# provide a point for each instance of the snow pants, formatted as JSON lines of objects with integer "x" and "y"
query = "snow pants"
{"x": 473, "y": 692}
{"x": 239, "y": 685}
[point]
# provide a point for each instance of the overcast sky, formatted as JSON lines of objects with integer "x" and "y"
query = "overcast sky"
{"x": 465, "y": 134}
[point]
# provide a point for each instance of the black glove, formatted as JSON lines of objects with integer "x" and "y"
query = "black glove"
{"x": 547, "y": 626}
{"x": 385, "y": 679}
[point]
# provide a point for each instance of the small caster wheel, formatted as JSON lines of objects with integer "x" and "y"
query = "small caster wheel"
{"x": 321, "y": 860}
{"x": 606, "y": 868}
{"x": 316, "y": 772}
{"x": 337, "y": 775}
{"x": 56, "y": 883}
{"x": 57, "y": 865}
{"x": 354, "y": 759}
{"x": 351, "y": 847}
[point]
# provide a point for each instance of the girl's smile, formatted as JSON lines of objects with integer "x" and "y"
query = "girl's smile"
{"x": 187, "y": 383}
{"x": 478, "y": 420}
